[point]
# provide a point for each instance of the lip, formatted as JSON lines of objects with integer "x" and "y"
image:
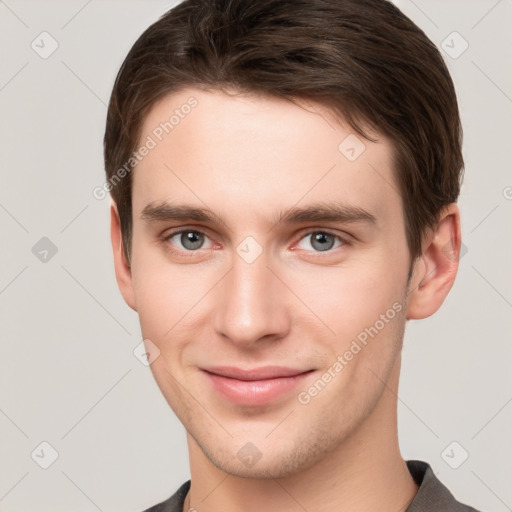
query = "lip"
{"x": 254, "y": 387}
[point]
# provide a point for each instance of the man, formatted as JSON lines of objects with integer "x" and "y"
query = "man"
{"x": 284, "y": 177}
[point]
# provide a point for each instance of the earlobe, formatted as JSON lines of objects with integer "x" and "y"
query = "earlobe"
{"x": 435, "y": 270}
{"x": 121, "y": 265}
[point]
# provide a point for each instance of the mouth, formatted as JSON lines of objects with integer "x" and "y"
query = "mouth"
{"x": 254, "y": 387}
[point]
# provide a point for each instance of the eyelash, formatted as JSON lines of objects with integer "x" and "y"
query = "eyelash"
{"x": 166, "y": 240}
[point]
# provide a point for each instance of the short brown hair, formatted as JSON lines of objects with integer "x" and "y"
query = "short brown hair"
{"x": 364, "y": 59}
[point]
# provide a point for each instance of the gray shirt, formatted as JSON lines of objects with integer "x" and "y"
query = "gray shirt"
{"x": 432, "y": 495}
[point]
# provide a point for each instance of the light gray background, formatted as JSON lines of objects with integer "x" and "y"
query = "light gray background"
{"x": 68, "y": 374}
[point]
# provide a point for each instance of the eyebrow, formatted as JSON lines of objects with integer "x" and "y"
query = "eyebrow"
{"x": 318, "y": 212}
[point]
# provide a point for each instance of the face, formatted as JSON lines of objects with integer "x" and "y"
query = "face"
{"x": 301, "y": 263}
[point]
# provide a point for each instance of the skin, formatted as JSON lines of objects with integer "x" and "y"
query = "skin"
{"x": 247, "y": 158}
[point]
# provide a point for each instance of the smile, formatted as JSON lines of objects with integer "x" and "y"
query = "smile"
{"x": 250, "y": 388}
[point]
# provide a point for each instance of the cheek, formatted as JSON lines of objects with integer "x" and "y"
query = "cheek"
{"x": 169, "y": 297}
{"x": 163, "y": 300}
{"x": 351, "y": 297}
{"x": 362, "y": 306}
{"x": 339, "y": 300}
{"x": 368, "y": 322}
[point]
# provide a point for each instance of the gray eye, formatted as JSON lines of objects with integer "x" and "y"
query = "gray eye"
{"x": 320, "y": 241}
{"x": 191, "y": 240}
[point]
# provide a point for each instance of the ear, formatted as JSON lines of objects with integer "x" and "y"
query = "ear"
{"x": 121, "y": 265}
{"x": 435, "y": 270}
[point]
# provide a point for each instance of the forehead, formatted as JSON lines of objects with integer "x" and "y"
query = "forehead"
{"x": 258, "y": 153}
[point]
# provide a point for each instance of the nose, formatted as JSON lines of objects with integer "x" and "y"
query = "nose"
{"x": 251, "y": 303}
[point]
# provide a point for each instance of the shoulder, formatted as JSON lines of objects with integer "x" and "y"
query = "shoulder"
{"x": 432, "y": 495}
{"x": 173, "y": 503}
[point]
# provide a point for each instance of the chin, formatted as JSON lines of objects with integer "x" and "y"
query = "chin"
{"x": 273, "y": 461}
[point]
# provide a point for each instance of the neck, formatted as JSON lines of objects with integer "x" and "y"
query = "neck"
{"x": 364, "y": 473}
